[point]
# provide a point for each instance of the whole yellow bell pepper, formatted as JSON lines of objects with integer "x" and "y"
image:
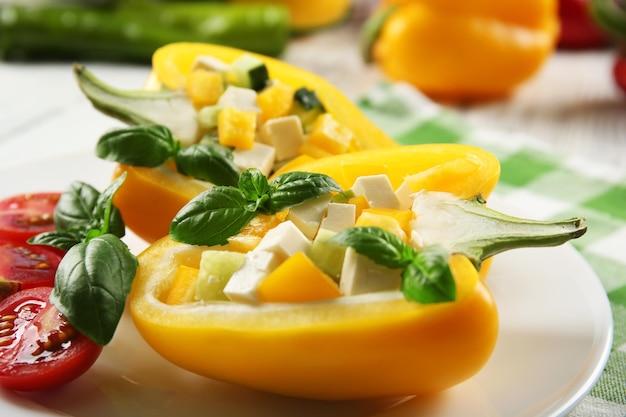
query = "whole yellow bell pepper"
{"x": 310, "y": 15}
{"x": 455, "y": 50}
{"x": 344, "y": 348}
{"x": 151, "y": 197}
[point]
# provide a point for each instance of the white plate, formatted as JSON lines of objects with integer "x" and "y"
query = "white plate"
{"x": 555, "y": 337}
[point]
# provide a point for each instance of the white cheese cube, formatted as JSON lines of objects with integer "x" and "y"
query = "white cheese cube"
{"x": 339, "y": 217}
{"x": 308, "y": 216}
{"x": 239, "y": 98}
{"x": 243, "y": 284}
{"x": 209, "y": 63}
{"x": 284, "y": 240}
{"x": 404, "y": 195}
{"x": 378, "y": 191}
{"x": 285, "y": 134}
{"x": 360, "y": 275}
{"x": 260, "y": 156}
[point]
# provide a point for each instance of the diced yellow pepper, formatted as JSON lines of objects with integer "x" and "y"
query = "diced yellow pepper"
{"x": 275, "y": 101}
{"x": 330, "y": 135}
{"x": 297, "y": 280}
{"x": 204, "y": 87}
{"x": 401, "y": 218}
{"x": 360, "y": 202}
{"x": 312, "y": 150}
{"x": 184, "y": 287}
{"x": 237, "y": 128}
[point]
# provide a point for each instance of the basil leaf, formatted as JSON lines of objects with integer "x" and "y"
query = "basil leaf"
{"x": 208, "y": 162}
{"x": 254, "y": 185}
{"x": 146, "y": 145}
{"x": 428, "y": 279}
{"x": 59, "y": 239}
{"x": 92, "y": 283}
{"x": 75, "y": 207}
{"x": 212, "y": 217}
{"x": 377, "y": 244}
{"x": 294, "y": 188}
{"x": 105, "y": 214}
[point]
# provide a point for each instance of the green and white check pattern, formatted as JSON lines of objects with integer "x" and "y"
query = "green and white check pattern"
{"x": 562, "y": 188}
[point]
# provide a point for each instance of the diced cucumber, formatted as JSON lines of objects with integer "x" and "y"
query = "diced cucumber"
{"x": 208, "y": 115}
{"x": 249, "y": 72}
{"x": 326, "y": 255}
{"x": 216, "y": 268}
{"x": 307, "y": 106}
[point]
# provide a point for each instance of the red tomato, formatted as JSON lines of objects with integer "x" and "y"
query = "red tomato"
{"x": 619, "y": 71}
{"x": 25, "y": 215}
{"x": 39, "y": 349}
{"x": 578, "y": 29}
{"x": 24, "y": 266}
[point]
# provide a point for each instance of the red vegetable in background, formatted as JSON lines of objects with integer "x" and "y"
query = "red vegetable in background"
{"x": 39, "y": 349}
{"x": 578, "y": 29}
{"x": 619, "y": 71}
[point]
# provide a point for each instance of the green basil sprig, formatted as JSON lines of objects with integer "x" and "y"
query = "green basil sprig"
{"x": 426, "y": 275}
{"x": 214, "y": 215}
{"x": 94, "y": 277}
{"x": 150, "y": 145}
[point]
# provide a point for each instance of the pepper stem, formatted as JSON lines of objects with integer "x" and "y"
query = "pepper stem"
{"x": 471, "y": 228}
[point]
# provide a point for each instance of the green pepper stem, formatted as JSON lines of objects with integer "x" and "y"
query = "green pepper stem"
{"x": 471, "y": 228}
{"x": 172, "y": 109}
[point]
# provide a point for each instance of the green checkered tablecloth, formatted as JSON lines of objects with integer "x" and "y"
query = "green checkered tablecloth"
{"x": 565, "y": 187}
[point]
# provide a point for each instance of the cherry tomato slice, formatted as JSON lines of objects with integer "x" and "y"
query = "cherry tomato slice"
{"x": 39, "y": 349}
{"x": 25, "y": 215}
{"x": 24, "y": 266}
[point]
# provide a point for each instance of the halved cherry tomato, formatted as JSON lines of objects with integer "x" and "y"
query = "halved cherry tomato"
{"x": 24, "y": 266}
{"x": 39, "y": 349}
{"x": 25, "y": 215}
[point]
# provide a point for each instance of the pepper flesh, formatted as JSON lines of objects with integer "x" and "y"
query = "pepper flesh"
{"x": 454, "y": 50}
{"x": 149, "y": 198}
{"x": 375, "y": 345}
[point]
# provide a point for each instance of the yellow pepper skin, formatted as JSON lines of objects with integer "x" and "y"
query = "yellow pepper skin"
{"x": 373, "y": 345}
{"x": 476, "y": 50}
{"x": 150, "y": 198}
{"x": 311, "y": 15}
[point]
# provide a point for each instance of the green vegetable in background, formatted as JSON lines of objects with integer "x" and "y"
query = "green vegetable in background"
{"x": 130, "y": 31}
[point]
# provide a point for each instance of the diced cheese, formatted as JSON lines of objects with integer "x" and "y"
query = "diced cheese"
{"x": 243, "y": 284}
{"x": 339, "y": 217}
{"x": 285, "y": 134}
{"x": 309, "y": 215}
{"x": 360, "y": 275}
{"x": 209, "y": 63}
{"x": 216, "y": 268}
{"x": 236, "y": 128}
{"x": 239, "y": 98}
{"x": 260, "y": 156}
{"x": 378, "y": 191}
{"x": 284, "y": 240}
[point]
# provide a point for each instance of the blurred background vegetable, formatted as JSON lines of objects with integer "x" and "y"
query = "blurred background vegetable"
{"x": 455, "y": 50}
{"x": 578, "y": 29}
{"x": 130, "y": 30}
{"x": 610, "y": 16}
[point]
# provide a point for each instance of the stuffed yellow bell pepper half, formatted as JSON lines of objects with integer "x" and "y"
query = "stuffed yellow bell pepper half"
{"x": 346, "y": 277}
{"x": 456, "y": 50}
{"x": 206, "y": 113}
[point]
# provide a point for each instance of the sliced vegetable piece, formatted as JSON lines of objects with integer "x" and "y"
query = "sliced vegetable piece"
{"x": 25, "y": 215}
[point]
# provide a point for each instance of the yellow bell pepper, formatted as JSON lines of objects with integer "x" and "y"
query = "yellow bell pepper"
{"x": 453, "y": 50}
{"x": 332, "y": 349}
{"x": 151, "y": 197}
{"x": 310, "y": 15}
